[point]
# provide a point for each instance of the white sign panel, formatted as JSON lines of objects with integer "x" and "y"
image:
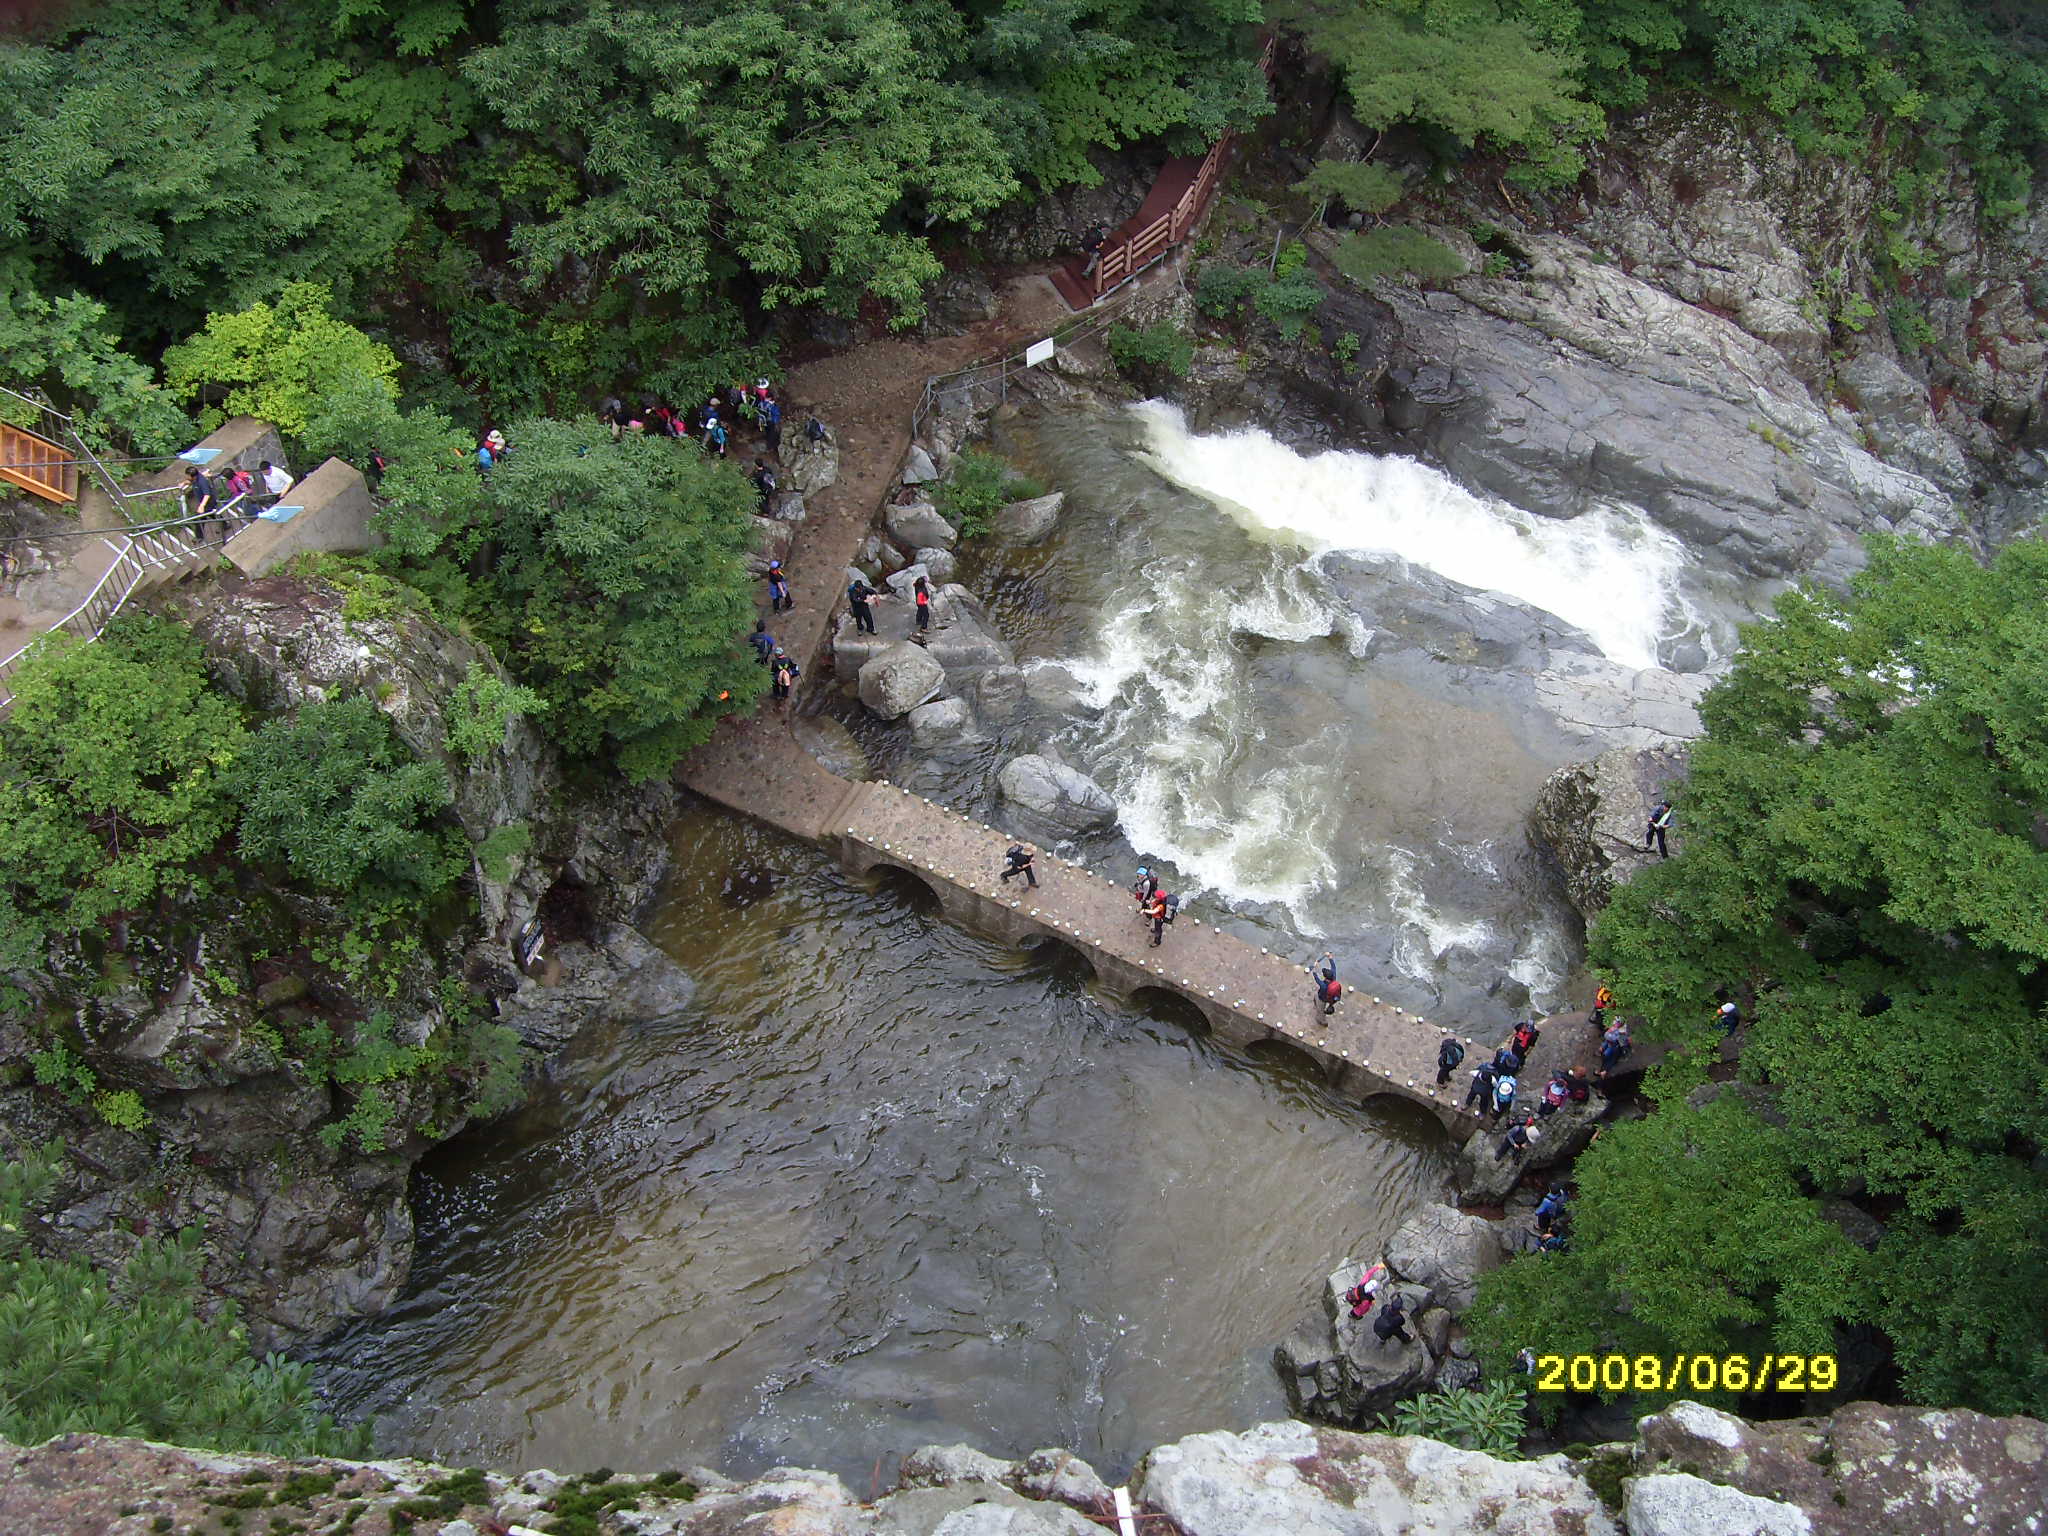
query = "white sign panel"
{"x": 1038, "y": 352}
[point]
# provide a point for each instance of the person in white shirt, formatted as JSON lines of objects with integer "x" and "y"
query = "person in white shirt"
{"x": 275, "y": 480}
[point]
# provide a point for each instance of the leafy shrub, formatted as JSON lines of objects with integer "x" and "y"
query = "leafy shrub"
{"x": 1291, "y": 295}
{"x": 1488, "y": 1418}
{"x": 128, "y": 1353}
{"x": 1357, "y": 184}
{"x": 122, "y": 1110}
{"x": 1396, "y": 249}
{"x": 977, "y": 485}
{"x": 1161, "y": 345}
{"x": 483, "y": 704}
{"x": 1220, "y": 288}
{"x": 1911, "y": 328}
{"x": 500, "y": 846}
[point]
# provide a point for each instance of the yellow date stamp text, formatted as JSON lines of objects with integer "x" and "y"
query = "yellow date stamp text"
{"x": 1686, "y": 1373}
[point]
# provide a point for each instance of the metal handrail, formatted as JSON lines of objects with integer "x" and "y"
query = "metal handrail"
{"x": 1074, "y": 328}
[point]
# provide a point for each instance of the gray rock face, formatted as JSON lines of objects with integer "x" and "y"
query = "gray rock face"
{"x": 1305, "y": 1481}
{"x": 1674, "y": 1504}
{"x": 807, "y": 466}
{"x": 1445, "y": 1251}
{"x": 1028, "y": 522}
{"x": 1337, "y": 1370}
{"x": 940, "y": 564}
{"x": 962, "y": 638}
{"x": 622, "y": 976}
{"x": 999, "y": 693}
{"x": 1484, "y": 1179}
{"x": 1061, "y": 1476}
{"x": 915, "y": 524}
{"x": 918, "y": 467}
{"x": 1866, "y": 1467}
{"x": 771, "y": 542}
{"x": 941, "y": 721}
{"x": 1053, "y": 801}
{"x": 899, "y": 678}
{"x": 1591, "y": 815}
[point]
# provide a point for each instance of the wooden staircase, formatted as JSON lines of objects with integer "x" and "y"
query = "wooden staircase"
{"x": 36, "y": 464}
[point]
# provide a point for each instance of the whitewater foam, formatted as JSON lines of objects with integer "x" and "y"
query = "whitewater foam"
{"x": 1611, "y": 572}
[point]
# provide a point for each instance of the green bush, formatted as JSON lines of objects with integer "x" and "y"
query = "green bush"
{"x": 1396, "y": 250}
{"x": 128, "y": 1352}
{"x": 977, "y": 485}
{"x": 483, "y": 705}
{"x": 1160, "y": 346}
{"x": 1220, "y": 288}
{"x": 1292, "y": 293}
{"x": 1489, "y": 1418}
{"x": 1358, "y": 185}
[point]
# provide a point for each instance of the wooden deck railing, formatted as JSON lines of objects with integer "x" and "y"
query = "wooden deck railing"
{"x": 36, "y": 464}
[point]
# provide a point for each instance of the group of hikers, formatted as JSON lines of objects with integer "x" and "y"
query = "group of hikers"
{"x": 712, "y": 423}
{"x": 210, "y": 500}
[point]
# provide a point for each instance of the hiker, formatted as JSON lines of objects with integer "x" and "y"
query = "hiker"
{"x": 714, "y": 437}
{"x": 1388, "y": 1325}
{"x": 815, "y": 430}
{"x": 200, "y": 498}
{"x": 1507, "y": 1059}
{"x": 779, "y": 600}
{"x": 858, "y": 595}
{"x": 1729, "y": 1017}
{"x": 1613, "y": 1046}
{"x": 785, "y": 672}
{"x": 924, "y": 604}
{"x": 1018, "y": 861}
{"x": 1091, "y": 246}
{"x": 1577, "y": 1088}
{"x": 486, "y": 460}
{"x": 276, "y": 480}
{"x": 1525, "y": 1037}
{"x": 1548, "y": 1208}
{"x": 1142, "y": 891}
{"x": 1602, "y": 1001}
{"x": 1556, "y": 1094}
{"x": 1552, "y": 1242}
{"x": 1448, "y": 1055}
{"x": 764, "y": 482}
{"x": 1503, "y": 1094}
{"x": 1360, "y": 1296}
{"x": 1156, "y": 912}
{"x": 612, "y": 416}
{"x": 770, "y": 412}
{"x": 1329, "y": 992}
{"x": 1480, "y": 1095}
{"x": 1520, "y": 1138}
{"x": 762, "y": 642}
{"x": 1661, "y": 816}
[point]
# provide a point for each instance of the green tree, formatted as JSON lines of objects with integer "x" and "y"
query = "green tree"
{"x": 129, "y": 1353}
{"x": 1862, "y": 858}
{"x": 113, "y": 781}
{"x": 1357, "y": 184}
{"x": 793, "y": 141}
{"x": 68, "y": 347}
{"x": 621, "y": 593}
{"x": 278, "y": 362}
{"x": 333, "y": 795}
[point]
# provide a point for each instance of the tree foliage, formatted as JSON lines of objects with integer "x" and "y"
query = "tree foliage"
{"x": 1863, "y": 858}
{"x": 114, "y": 766}
{"x": 621, "y": 592}
{"x": 279, "y": 362}
{"x": 129, "y": 1352}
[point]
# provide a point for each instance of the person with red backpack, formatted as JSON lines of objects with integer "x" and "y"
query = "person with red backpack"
{"x": 1526, "y": 1035}
{"x": 1157, "y": 911}
{"x": 1329, "y": 990}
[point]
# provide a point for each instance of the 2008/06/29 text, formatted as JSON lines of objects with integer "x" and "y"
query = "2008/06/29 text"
{"x": 1686, "y": 1373}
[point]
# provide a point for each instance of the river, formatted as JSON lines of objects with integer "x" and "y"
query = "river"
{"x": 886, "y": 1182}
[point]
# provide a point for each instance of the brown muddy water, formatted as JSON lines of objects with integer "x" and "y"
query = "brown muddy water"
{"x": 884, "y": 1182}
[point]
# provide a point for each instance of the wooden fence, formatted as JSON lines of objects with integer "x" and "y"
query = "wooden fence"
{"x": 36, "y": 464}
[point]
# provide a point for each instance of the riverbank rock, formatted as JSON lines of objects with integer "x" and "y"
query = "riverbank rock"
{"x": 962, "y": 640}
{"x": 1484, "y": 1179}
{"x": 918, "y": 467}
{"x": 914, "y": 524}
{"x": 1336, "y": 1370}
{"x": 808, "y": 465}
{"x": 620, "y": 975}
{"x": 772, "y": 540}
{"x": 1445, "y": 1251}
{"x": 1028, "y": 522}
{"x": 941, "y": 564}
{"x": 898, "y": 679}
{"x": 1590, "y": 817}
{"x": 1053, "y": 801}
{"x": 1309, "y": 1481}
{"x": 1677, "y": 1504}
{"x": 941, "y": 721}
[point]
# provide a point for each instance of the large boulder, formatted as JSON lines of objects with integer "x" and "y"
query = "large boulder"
{"x": 1484, "y": 1179}
{"x": 618, "y": 975}
{"x": 771, "y": 542}
{"x": 1445, "y": 1251}
{"x": 1052, "y": 801}
{"x": 1027, "y": 522}
{"x": 896, "y": 680}
{"x": 1676, "y": 1504}
{"x": 1590, "y": 816}
{"x": 918, "y": 467}
{"x": 916, "y": 524}
{"x": 1867, "y": 1467}
{"x": 808, "y": 465}
{"x": 1304, "y": 1480}
{"x": 1337, "y": 1370}
{"x": 941, "y": 564}
{"x": 963, "y": 639}
{"x": 941, "y": 721}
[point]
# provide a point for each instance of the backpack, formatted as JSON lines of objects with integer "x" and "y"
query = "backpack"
{"x": 1333, "y": 990}
{"x": 1173, "y": 909}
{"x": 814, "y": 429}
{"x": 1504, "y": 1090}
{"x": 1449, "y": 1054}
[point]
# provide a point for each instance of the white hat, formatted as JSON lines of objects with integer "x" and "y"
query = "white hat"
{"x": 494, "y": 437}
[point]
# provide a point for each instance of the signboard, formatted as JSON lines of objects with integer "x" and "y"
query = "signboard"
{"x": 1038, "y": 352}
{"x": 279, "y": 514}
{"x": 200, "y": 455}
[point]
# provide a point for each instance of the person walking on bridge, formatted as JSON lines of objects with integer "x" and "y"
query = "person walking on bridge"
{"x": 1448, "y": 1055}
{"x": 1480, "y": 1095}
{"x": 1143, "y": 890}
{"x": 1156, "y": 913}
{"x": 1018, "y": 862}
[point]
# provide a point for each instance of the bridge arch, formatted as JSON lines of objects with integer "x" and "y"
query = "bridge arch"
{"x": 1278, "y": 1051}
{"x": 1056, "y": 954}
{"x": 923, "y": 895}
{"x": 1169, "y": 1005}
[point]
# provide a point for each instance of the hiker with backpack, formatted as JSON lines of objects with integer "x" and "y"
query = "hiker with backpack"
{"x": 1556, "y": 1094}
{"x": 714, "y": 437}
{"x": 784, "y": 672}
{"x": 1141, "y": 892}
{"x": 763, "y": 643}
{"x": 1480, "y": 1095}
{"x": 1448, "y": 1055}
{"x": 1525, "y": 1037}
{"x": 1729, "y": 1017}
{"x": 1503, "y": 1094}
{"x": 1520, "y": 1137}
{"x": 764, "y": 482}
{"x": 1577, "y": 1088}
{"x": 1602, "y": 1001}
{"x": 769, "y": 409}
{"x": 779, "y": 600}
{"x": 1160, "y": 912}
{"x": 1507, "y": 1059}
{"x": 1549, "y": 1208}
{"x": 1329, "y": 992}
{"x": 1614, "y": 1045}
{"x": 1017, "y": 861}
{"x": 858, "y": 595}
{"x": 1389, "y": 1324}
{"x": 1661, "y": 817}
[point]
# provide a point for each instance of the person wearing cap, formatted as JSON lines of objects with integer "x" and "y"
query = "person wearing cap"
{"x": 784, "y": 671}
{"x": 1142, "y": 891}
{"x": 779, "y": 600}
{"x": 1017, "y": 861}
{"x": 769, "y": 411}
{"x": 1729, "y": 1017}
